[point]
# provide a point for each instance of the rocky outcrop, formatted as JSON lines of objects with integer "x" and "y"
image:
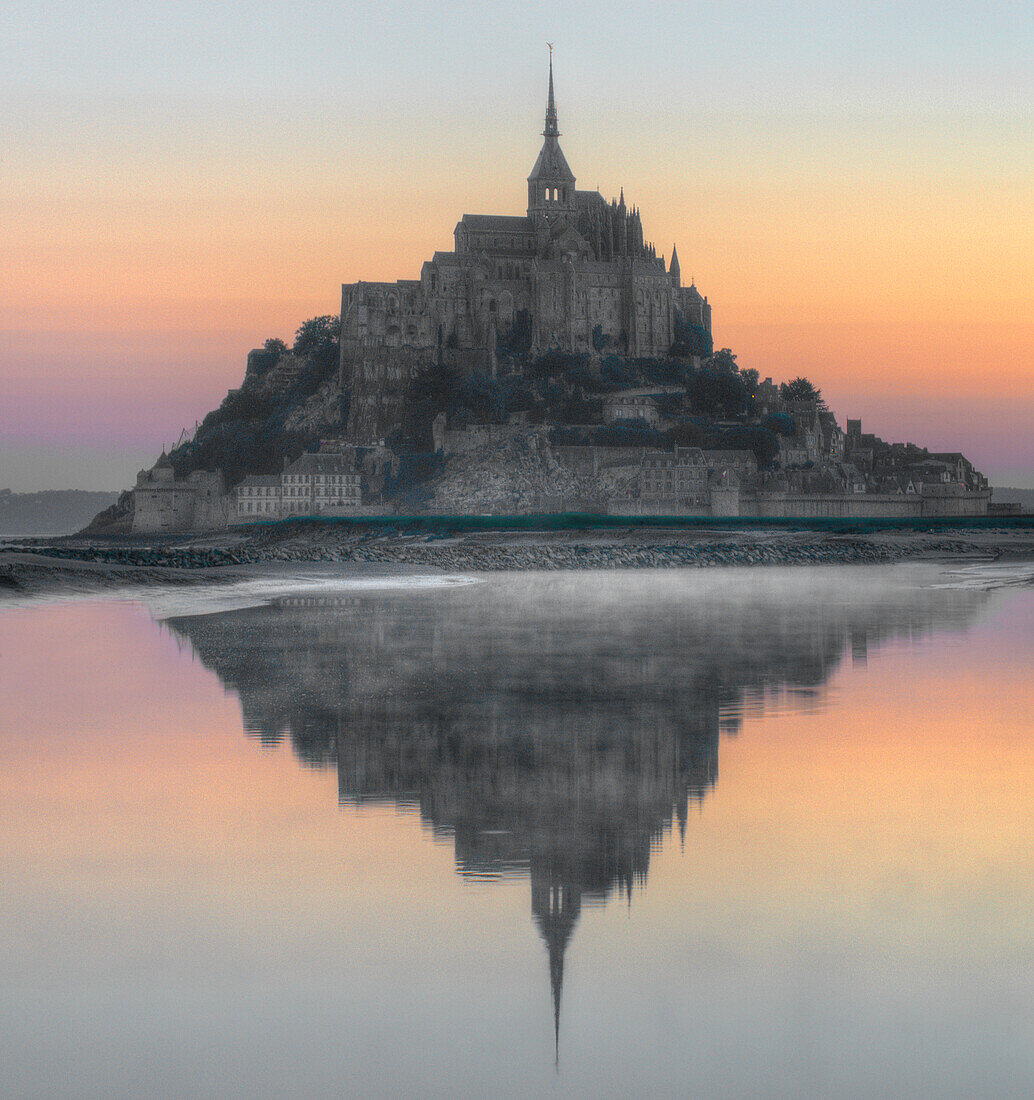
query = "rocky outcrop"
{"x": 521, "y": 474}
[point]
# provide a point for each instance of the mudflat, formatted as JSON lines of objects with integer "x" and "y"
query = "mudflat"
{"x": 81, "y": 564}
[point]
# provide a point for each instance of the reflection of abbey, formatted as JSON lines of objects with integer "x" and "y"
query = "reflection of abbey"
{"x": 574, "y": 274}
{"x": 567, "y": 761}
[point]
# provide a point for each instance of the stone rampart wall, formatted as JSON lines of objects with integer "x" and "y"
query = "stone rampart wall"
{"x": 380, "y": 380}
{"x": 861, "y": 505}
{"x": 730, "y": 502}
{"x": 657, "y": 508}
{"x": 163, "y": 508}
{"x": 478, "y": 435}
{"x": 590, "y": 460}
{"x": 213, "y": 513}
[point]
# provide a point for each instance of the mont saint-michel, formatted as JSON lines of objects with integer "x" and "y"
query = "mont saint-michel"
{"x": 573, "y": 275}
{"x": 551, "y": 363}
{"x": 535, "y": 677}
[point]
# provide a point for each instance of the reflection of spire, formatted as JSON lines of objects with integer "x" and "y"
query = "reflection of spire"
{"x": 556, "y": 984}
{"x": 470, "y": 736}
{"x": 556, "y": 907}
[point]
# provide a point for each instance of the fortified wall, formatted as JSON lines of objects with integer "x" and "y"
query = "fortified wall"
{"x": 380, "y": 381}
{"x": 730, "y": 502}
{"x": 163, "y": 502}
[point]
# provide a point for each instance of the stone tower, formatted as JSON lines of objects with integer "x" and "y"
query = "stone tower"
{"x": 551, "y": 192}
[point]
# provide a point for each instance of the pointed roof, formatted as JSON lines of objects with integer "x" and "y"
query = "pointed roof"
{"x": 551, "y": 164}
{"x": 675, "y": 270}
{"x": 551, "y": 119}
{"x": 163, "y": 462}
{"x": 556, "y": 907}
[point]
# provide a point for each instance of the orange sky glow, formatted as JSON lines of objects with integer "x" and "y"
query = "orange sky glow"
{"x": 869, "y": 232}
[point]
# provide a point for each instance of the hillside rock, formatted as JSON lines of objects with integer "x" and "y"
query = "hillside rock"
{"x": 516, "y": 475}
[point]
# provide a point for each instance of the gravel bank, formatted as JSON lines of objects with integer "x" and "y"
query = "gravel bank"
{"x": 85, "y": 565}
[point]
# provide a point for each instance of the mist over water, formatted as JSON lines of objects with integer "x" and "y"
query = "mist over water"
{"x": 716, "y": 832}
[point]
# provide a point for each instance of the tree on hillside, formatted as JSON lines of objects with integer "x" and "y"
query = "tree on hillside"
{"x": 717, "y": 393}
{"x": 316, "y": 334}
{"x": 800, "y": 389}
{"x": 317, "y": 342}
{"x": 723, "y": 360}
{"x": 691, "y": 340}
{"x": 517, "y": 339}
{"x": 629, "y": 433}
{"x": 779, "y": 422}
{"x": 275, "y": 347}
{"x": 751, "y": 378}
{"x": 762, "y": 441}
{"x": 690, "y": 434}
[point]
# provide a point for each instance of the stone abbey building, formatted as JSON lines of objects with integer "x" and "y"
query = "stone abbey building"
{"x": 573, "y": 274}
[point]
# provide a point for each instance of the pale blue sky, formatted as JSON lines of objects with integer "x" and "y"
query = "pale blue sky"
{"x": 191, "y": 146}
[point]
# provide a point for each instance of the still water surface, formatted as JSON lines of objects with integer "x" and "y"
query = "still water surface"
{"x": 710, "y": 833}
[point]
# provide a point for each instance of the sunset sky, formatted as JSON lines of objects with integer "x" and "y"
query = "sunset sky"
{"x": 851, "y": 187}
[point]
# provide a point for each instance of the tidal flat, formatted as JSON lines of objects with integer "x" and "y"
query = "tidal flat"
{"x": 734, "y": 831}
{"x": 55, "y": 567}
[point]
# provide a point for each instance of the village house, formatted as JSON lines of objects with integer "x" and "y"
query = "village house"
{"x": 792, "y": 452}
{"x": 319, "y": 484}
{"x": 314, "y": 484}
{"x": 679, "y": 475}
{"x": 258, "y": 496}
{"x": 743, "y": 462}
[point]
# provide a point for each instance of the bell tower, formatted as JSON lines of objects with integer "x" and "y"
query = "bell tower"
{"x": 551, "y": 183}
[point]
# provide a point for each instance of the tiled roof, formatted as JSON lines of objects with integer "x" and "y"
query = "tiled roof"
{"x": 499, "y": 223}
{"x": 551, "y": 163}
{"x": 731, "y": 456}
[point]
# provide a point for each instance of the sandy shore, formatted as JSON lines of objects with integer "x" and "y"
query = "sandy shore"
{"x": 28, "y": 573}
{"x": 81, "y": 565}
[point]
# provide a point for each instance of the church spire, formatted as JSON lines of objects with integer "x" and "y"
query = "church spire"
{"x": 551, "y": 120}
{"x": 551, "y": 184}
{"x": 674, "y": 270}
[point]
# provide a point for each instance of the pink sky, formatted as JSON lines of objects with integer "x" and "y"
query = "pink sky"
{"x": 175, "y": 193}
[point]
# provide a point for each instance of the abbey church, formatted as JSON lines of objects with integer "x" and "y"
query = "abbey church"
{"x": 573, "y": 274}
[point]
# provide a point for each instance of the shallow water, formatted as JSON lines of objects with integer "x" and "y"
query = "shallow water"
{"x": 725, "y": 832}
